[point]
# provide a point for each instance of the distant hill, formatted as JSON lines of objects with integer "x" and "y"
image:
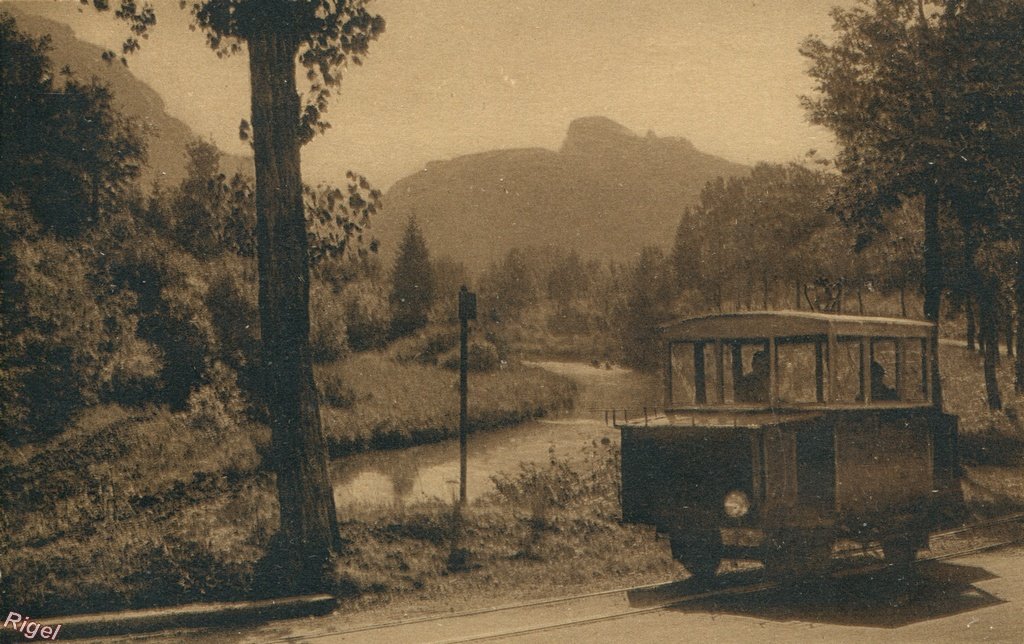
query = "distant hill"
{"x": 607, "y": 192}
{"x": 166, "y": 135}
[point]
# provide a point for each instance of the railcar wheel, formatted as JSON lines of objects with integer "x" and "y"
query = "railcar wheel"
{"x": 899, "y": 551}
{"x": 700, "y": 553}
{"x": 792, "y": 555}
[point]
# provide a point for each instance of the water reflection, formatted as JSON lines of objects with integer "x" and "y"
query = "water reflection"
{"x": 432, "y": 471}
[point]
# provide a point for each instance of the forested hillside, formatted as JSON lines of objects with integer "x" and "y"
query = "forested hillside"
{"x": 606, "y": 193}
{"x": 165, "y": 135}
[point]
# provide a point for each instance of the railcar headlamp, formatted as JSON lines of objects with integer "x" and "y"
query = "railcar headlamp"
{"x": 736, "y": 504}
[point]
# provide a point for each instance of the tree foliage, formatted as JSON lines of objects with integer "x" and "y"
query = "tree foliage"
{"x": 336, "y": 219}
{"x": 412, "y": 283}
{"x": 67, "y": 152}
{"x": 924, "y": 98}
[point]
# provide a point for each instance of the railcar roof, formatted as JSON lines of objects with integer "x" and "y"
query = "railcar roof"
{"x": 764, "y": 324}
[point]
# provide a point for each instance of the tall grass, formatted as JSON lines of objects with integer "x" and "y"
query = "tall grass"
{"x": 133, "y": 508}
{"x": 987, "y": 437}
{"x": 991, "y": 441}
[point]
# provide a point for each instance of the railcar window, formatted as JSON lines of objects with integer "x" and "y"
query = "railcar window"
{"x": 684, "y": 386}
{"x": 886, "y": 362}
{"x": 748, "y": 369}
{"x": 696, "y": 377}
{"x": 913, "y": 383}
{"x": 847, "y": 364}
{"x": 713, "y": 376}
{"x": 801, "y": 370}
{"x": 729, "y": 375}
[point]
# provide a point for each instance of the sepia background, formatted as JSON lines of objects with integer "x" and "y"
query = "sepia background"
{"x": 590, "y": 170}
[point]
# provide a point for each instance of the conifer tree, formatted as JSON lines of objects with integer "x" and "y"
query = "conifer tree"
{"x": 412, "y": 283}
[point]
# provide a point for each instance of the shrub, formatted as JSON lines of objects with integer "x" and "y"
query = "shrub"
{"x": 483, "y": 356}
{"x": 425, "y": 347}
{"x": 133, "y": 373}
{"x": 231, "y": 301}
{"x": 55, "y": 343}
{"x": 569, "y": 320}
{"x": 366, "y": 315}
{"x": 218, "y": 405}
{"x": 332, "y": 388}
{"x": 169, "y": 299}
{"x": 328, "y": 335}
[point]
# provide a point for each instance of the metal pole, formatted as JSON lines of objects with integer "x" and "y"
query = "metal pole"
{"x": 463, "y": 409}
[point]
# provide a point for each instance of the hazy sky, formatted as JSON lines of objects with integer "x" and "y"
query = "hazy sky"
{"x": 451, "y": 77}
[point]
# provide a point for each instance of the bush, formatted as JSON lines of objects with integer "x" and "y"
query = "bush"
{"x": 133, "y": 372}
{"x": 181, "y": 328}
{"x": 568, "y": 320}
{"x": 218, "y": 405}
{"x": 231, "y": 301}
{"x": 55, "y": 344}
{"x": 483, "y": 356}
{"x": 425, "y": 347}
{"x": 332, "y": 388}
{"x": 328, "y": 335}
{"x": 366, "y": 315}
{"x": 170, "y": 300}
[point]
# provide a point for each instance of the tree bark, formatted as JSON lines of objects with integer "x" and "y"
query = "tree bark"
{"x": 986, "y": 308}
{"x": 971, "y": 330}
{"x": 308, "y": 536}
{"x": 1008, "y": 332}
{"x": 988, "y": 318}
{"x": 1018, "y": 296}
{"x": 933, "y": 281}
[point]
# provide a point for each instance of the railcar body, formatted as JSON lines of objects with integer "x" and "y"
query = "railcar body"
{"x": 784, "y": 432}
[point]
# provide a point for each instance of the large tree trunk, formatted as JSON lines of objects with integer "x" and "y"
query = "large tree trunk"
{"x": 933, "y": 281}
{"x": 308, "y": 536}
{"x": 988, "y": 324}
{"x": 988, "y": 316}
{"x": 1018, "y": 296}
{"x": 1008, "y": 332}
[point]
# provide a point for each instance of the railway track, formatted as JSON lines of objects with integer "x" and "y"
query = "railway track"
{"x": 669, "y": 594}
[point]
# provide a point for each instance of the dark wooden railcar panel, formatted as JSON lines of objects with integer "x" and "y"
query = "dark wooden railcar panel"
{"x": 884, "y": 464}
{"x": 859, "y": 472}
{"x": 673, "y": 476}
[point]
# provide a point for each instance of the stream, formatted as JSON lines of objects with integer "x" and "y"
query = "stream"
{"x": 405, "y": 476}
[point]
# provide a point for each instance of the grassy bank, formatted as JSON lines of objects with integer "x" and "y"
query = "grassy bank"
{"x": 991, "y": 442}
{"x": 144, "y": 507}
{"x": 374, "y": 402}
{"x": 134, "y": 508}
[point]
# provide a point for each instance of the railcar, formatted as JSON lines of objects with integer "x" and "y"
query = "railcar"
{"x": 784, "y": 432}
